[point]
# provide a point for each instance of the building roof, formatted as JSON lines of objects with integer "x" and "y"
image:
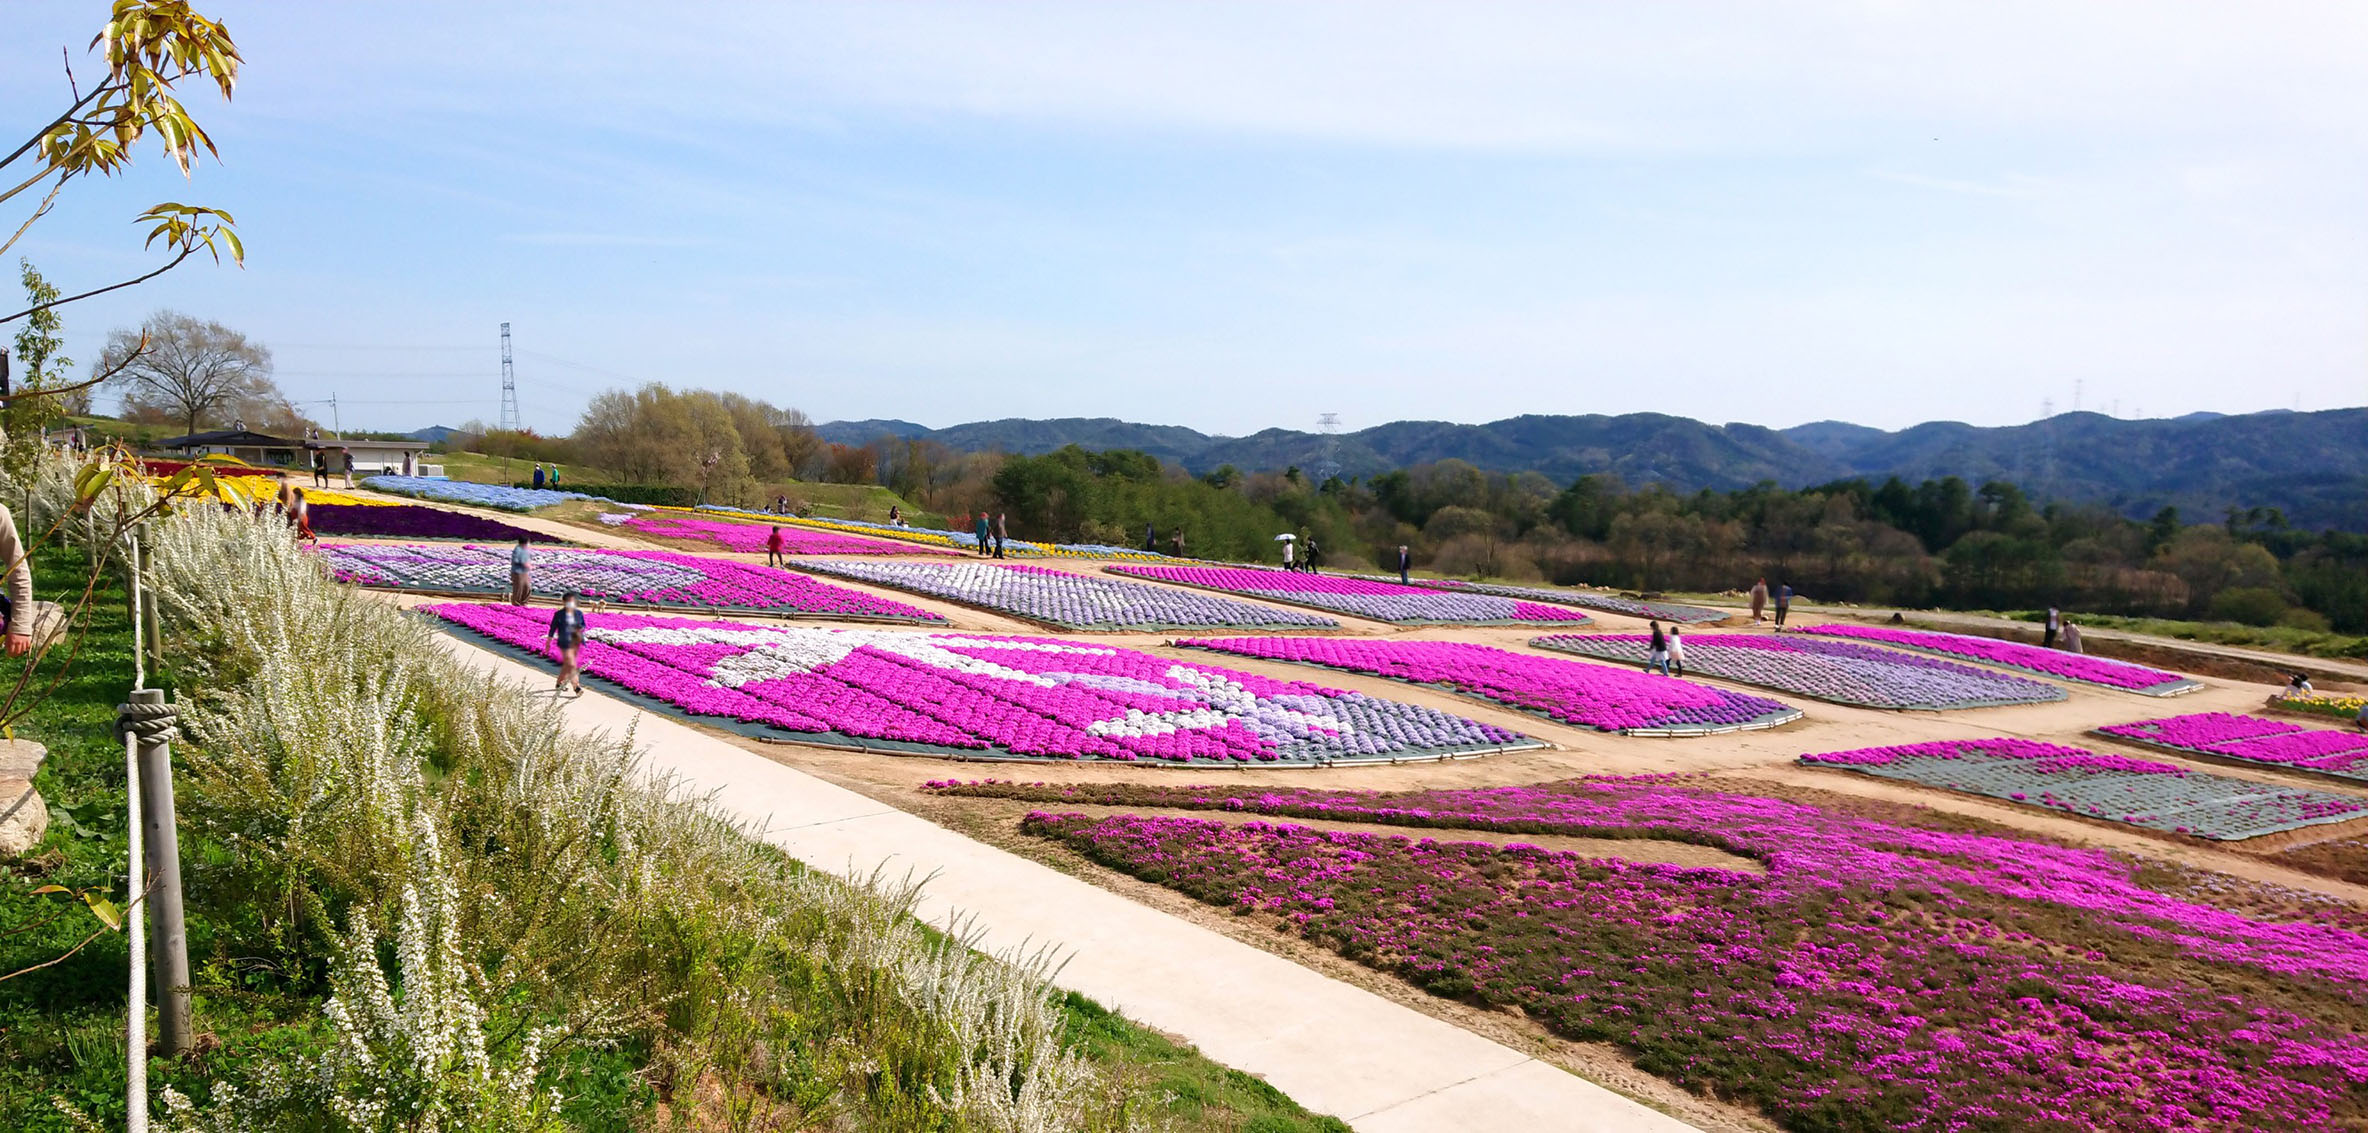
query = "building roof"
{"x": 247, "y": 438}
{"x": 230, "y": 438}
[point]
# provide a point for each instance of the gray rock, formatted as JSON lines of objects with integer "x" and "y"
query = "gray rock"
{"x": 19, "y": 759}
{"x": 24, "y": 818}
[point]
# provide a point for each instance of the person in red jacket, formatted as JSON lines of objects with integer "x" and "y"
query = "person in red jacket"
{"x": 773, "y": 547}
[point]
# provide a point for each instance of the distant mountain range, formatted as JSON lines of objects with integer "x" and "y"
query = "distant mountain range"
{"x": 2312, "y": 465}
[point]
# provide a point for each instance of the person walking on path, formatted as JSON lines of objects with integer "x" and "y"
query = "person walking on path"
{"x": 2055, "y": 625}
{"x": 16, "y": 592}
{"x": 567, "y": 632}
{"x": 1151, "y": 537}
{"x": 1677, "y": 652}
{"x": 304, "y": 520}
{"x": 1002, "y": 532}
{"x": 519, "y": 566}
{"x": 345, "y": 464}
{"x": 538, "y": 475}
{"x": 1783, "y": 601}
{"x": 1405, "y": 562}
{"x": 1759, "y": 600}
{"x": 1656, "y": 652}
{"x": 320, "y": 468}
{"x": 1288, "y": 564}
{"x": 1176, "y": 543}
{"x": 979, "y": 529}
{"x": 554, "y": 477}
{"x": 773, "y": 548}
{"x": 1315, "y": 556}
{"x": 2071, "y": 639}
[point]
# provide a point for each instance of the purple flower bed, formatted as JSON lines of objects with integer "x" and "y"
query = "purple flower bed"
{"x": 1590, "y": 696}
{"x": 750, "y": 538}
{"x": 1359, "y": 597}
{"x": 2257, "y": 739}
{"x": 1608, "y": 603}
{"x": 1878, "y": 977}
{"x": 1016, "y": 697}
{"x": 2015, "y": 655}
{"x": 2116, "y": 788}
{"x": 1839, "y": 671}
{"x": 659, "y": 578}
{"x": 1071, "y": 601}
{"x": 411, "y": 521}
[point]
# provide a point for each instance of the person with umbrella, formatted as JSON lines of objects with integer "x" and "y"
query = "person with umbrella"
{"x": 1286, "y": 539}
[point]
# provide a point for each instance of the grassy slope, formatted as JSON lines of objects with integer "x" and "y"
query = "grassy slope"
{"x": 61, "y": 1028}
{"x": 2281, "y": 639}
{"x": 482, "y": 469}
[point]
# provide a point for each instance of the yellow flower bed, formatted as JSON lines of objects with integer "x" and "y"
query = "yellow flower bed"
{"x": 253, "y": 490}
{"x": 2345, "y": 707}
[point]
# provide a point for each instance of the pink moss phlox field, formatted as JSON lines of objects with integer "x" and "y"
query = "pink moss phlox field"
{"x": 661, "y": 578}
{"x": 751, "y": 538}
{"x": 1878, "y": 977}
{"x": 2257, "y": 739}
{"x": 1359, "y": 597}
{"x": 2051, "y": 662}
{"x": 2116, "y": 788}
{"x": 1018, "y": 696}
{"x": 1574, "y": 692}
{"x": 1844, "y": 672}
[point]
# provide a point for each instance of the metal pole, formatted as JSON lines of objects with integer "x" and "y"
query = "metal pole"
{"x": 135, "y": 1023}
{"x": 171, "y": 933}
{"x": 131, "y": 594}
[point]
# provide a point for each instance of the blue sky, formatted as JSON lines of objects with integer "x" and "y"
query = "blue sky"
{"x": 1240, "y": 216}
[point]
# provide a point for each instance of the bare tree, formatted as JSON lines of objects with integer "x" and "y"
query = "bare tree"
{"x": 192, "y": 370}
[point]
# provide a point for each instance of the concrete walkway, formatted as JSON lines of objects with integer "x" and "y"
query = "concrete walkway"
{"x": 1337, "y": 1049}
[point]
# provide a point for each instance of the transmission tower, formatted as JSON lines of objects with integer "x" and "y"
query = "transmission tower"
{"x": 509, "y": 386}
{"x": 1329, "y": 466}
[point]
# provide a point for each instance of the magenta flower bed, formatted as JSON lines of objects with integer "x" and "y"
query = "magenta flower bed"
{"x": 1877, "y": 977}
{"x": 2140, "y": 792}
{"x": 750, "y": 538}
{"x": 1360, "y": 597}
{"x": 1015, "y": 697}
{"x": 1840, "y": 671}
{"x": 2280, "y": 743}
{"x": 2015, "y": 655}
{"x": 656, "y": 578}
{"x": 1590, "y": 696}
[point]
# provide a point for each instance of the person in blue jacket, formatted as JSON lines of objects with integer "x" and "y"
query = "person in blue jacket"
{"x": 1783, "y": 601}
{"x": 567, "y": 632}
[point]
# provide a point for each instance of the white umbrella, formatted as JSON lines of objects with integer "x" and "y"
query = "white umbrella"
{"x": 1285, "y": 537}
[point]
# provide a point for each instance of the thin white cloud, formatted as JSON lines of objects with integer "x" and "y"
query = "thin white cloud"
{"x": 2022, "y": 188}
{"x": 601, "y": 240}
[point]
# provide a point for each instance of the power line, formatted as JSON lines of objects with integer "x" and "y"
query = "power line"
{"x": 509, "y": 386}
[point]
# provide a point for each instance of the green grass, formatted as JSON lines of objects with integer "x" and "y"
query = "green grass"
{"x": 2280, "y": 639}
{"x": 1186, "y": 1090}
{"x": 61, "y": 1028}
{"x": 482, "y": 469}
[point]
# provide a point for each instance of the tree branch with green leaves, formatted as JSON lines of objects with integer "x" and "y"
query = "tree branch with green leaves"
{"x": 148, "y": 46}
